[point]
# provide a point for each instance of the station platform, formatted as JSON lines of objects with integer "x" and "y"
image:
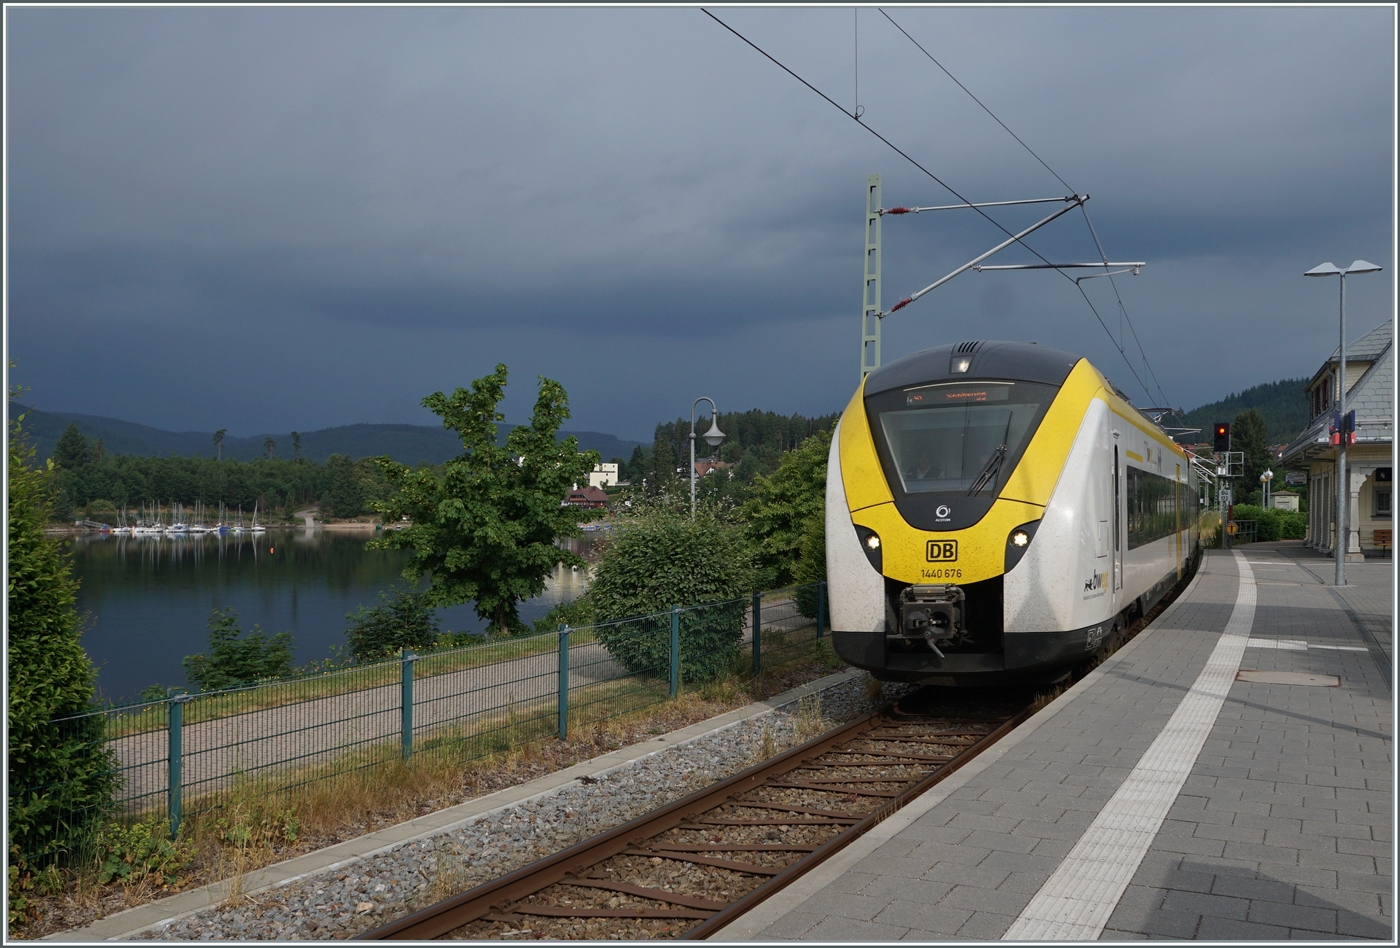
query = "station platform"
{"x": 1225, "y": 775}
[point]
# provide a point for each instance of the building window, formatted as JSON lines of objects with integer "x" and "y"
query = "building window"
{"x": 1380, "y": 494}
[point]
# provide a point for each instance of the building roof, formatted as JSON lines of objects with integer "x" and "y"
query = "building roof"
{"x": 1366, "y": 349}
{"x": 704, "y": 467}
{"x": 1371, "y": 397}
{"x": 587, "y": 494}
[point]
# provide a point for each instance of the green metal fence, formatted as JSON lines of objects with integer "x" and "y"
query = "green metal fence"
{"x": 187, "y": 754}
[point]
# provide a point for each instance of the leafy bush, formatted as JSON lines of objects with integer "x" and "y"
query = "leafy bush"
{"x": 1274, "y": 524}
{"x": 1293, "y": 524}
{"x": 61, "y": 779}
{"x": 786, "y": 517}
{"x": 401, "y": 620}
{"x": 811, "y": 567}
{"x": 660, "y": 558}
{"x": 234, "y": 661}
{"x": 140, "y": 851}
{"x": 575, "y": 614}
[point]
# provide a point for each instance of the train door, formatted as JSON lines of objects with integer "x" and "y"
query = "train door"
{"x": 1176, "y": 505}
{"x": 1117, "y": 523}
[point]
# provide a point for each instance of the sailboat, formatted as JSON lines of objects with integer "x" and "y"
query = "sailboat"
{"x": 177, "y": 521}
{"x": 256, "y": 528}
{"x": 199, "y": 525}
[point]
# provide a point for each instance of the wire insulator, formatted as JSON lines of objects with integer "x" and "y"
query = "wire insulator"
{"x": 901, "y": 304}
{"x": 897, "y": 210}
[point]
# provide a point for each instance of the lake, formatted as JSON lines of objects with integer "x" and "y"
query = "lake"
{"x": 148, "y": 599}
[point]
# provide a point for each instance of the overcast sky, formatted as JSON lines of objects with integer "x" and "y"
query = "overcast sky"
{"x": 276, "y": 219}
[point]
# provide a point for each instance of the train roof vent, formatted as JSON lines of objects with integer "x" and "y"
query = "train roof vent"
{"x": 963, "y": 348}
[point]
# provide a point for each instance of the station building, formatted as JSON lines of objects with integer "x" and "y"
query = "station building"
{"x": 1370, "y": 377}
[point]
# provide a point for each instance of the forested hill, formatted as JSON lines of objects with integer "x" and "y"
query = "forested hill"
{"x": 1281, "y": 403}
{"x": 407, "y": 444}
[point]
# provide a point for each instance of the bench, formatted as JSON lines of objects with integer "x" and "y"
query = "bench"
{"x": 1380, "y": 539}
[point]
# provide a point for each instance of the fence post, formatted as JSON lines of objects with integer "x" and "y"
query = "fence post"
{"x": 174, "y": 759}
{"x": 406, "y": 703}
{"x": 821, "y": 609}
{"x": 757, "y": 644}
{"x": 563, "y": 682}
{"x": 675, "y": 651}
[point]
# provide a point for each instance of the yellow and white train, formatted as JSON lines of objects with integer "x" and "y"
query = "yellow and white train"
{"x": 995, "y": 511}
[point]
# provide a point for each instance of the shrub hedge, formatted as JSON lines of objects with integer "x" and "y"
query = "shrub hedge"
{"x": 60, "y": 779}
{"x": 660, "y": 557}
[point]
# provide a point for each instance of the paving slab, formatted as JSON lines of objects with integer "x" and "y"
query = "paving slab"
{"x": 1280, "y": 827}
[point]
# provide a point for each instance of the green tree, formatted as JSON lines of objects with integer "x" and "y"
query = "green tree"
{"x": 787, "y": 511}
{"x": 60, "y": 779}
{"x": 636, "y": 468}
{"x": 486, "y": 527}
{"x": 660, "y": 558}
{"x": 219, "y": 443}
{"x": 234, "y": 659}
{"x": 343, "y": 496}
{"x": 72, "y": 450}
{"x": 269, "y": 445}
{"x": 401, "y": 620}
{"x": 296, "y": 445}
{"x": 1249, "y": 433}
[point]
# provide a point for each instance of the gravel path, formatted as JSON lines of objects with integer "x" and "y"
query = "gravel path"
{"x": 350, "y": 901}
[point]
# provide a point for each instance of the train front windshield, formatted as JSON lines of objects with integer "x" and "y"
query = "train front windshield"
{"x": 957, "y": 437}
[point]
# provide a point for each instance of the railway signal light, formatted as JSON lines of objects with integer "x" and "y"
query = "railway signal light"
{"x": 1222, "y": 437}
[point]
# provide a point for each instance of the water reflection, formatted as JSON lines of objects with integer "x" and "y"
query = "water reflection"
{"x": 148, "y": 598}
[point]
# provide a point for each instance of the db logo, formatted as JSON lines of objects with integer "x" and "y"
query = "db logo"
{"x": 942, "y": 551}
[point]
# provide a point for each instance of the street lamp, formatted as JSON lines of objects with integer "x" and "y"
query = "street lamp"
{"x": 1264, "y": 480}
{"x": 712, "y": 437}
{"x": 1343, "y": 532}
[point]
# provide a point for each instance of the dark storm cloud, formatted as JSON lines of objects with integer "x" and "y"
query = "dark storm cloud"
{"x": 638, "y": 204}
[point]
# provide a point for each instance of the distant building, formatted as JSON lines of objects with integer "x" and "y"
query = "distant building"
{"x": 604, "y": 475}
{"x": 1283, "y": 500}
{"x": 705, "y": 467}
{"x": 589, "y": 497}
{"x": 1370, "y": 388}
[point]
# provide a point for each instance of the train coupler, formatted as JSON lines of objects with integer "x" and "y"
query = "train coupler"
{"x": 933, "y": 613}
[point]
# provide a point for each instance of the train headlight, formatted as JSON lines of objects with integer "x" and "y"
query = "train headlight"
{"x": 1018, "y": 541}
{"x": 870, "y": 545}
{"x": 960, "y": 364}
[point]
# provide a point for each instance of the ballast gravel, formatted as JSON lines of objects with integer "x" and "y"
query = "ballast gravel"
{"x": 353, "y": 900}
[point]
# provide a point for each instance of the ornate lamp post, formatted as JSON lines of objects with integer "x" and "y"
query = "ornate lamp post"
{"x": 712, "y": 437}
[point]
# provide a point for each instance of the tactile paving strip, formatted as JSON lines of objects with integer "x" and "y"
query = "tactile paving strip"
{"x": 1076, "y": 901}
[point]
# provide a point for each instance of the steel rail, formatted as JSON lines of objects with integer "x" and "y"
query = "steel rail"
{"x": 572, "y": 865}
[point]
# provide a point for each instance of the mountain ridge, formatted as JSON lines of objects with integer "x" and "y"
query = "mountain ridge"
{"x": 407, "y": 444}
{"x": 1281, "y": 403}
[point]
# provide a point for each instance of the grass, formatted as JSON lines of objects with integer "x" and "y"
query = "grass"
{"x": 260, "y": 821}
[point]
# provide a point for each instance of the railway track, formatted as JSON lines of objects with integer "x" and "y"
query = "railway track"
{"x": 688, "y": 869}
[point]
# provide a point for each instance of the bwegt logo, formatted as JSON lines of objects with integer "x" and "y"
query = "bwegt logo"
{"x": 942, "y": 551}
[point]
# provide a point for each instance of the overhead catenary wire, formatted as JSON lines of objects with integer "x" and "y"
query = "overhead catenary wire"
{"x": 891, "y": 145}
{"x": 1122, "y": 309}
{"x": 949, "y": 188}
{"x": 977, "y": 100}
